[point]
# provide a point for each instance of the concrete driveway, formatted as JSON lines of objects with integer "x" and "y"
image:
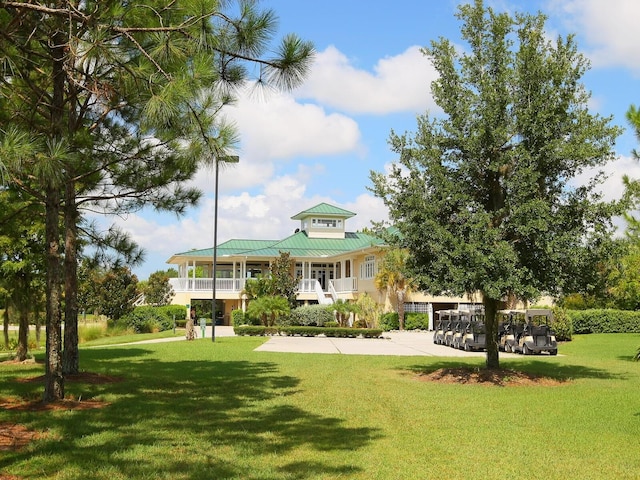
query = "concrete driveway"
{"x": 392, "y": 343}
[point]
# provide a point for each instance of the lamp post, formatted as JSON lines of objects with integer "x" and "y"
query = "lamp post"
{"x": 226, "y": 159}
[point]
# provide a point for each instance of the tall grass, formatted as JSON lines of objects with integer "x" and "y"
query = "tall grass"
{"x": 220, "y": 410}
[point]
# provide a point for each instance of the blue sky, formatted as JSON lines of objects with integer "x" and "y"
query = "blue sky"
{"x": 319, "y": 143}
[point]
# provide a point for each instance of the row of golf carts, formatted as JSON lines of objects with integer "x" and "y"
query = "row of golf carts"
{"x": 519, "y": 331}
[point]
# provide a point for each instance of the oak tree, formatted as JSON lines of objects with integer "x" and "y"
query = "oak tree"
{"x": 482, "y": 195}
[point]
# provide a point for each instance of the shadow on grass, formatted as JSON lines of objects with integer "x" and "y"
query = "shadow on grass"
{"x": 556, "y": 371}
{"x": 629, "y": 358}
{"x": 221, "y": 418}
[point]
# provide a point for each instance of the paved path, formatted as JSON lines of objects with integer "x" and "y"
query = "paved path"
{"x": 392, "y": 343}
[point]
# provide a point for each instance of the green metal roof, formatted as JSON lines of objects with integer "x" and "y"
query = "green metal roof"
{"x": 299, "y": 245}
{"x": 324, "y": 209}
{"x": 230, "y": 247}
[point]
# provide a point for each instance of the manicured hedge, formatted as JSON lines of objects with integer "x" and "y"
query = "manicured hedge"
{"x": 416, "y": 321}
{"x": 389, "y": 321}
{"x": 412, "y": 321}
{"x": 604, "y": 321}
{"x": 258, "y": 330}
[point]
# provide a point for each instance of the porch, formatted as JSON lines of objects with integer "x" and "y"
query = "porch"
{"x": 308, "y": 288}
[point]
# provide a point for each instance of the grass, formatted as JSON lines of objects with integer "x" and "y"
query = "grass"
{"x": 197, "y": 410}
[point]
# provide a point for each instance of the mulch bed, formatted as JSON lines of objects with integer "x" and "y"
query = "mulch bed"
{"x": 82, "y": 377}
{"x": 497, "y": 377}
{"x": 14, "y": 436}
{"x": 68, "y": 403}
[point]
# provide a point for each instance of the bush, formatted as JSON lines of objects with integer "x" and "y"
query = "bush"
{"x": 389, "y": 321}
{"x": 149, "y": 319}
{"x": 416, "y": 321}
{"x": 310, "y": 316}
{"x": 255, "y": 330}
{"x": 412, "y": 321}
{"x": 562, "y": 325}
{"x": 604, "y": 321}
{"x": 308, "y": 331}
{"x": 238, "y": 318}
{"x": 171, "y": 311}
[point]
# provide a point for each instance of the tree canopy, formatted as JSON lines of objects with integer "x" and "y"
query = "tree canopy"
{"x": 482, "y": 196}
{"x": 112, "y": 106}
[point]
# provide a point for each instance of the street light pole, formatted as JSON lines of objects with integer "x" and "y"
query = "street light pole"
{"x": 226, "y": 159}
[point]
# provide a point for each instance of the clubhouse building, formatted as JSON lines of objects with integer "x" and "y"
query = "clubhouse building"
{"x": 330, "y": 262}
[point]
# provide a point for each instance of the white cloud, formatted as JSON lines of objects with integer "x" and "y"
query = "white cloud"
{"x": 277, "y": 127}
{"x": 612, "y": 188}
{"x": 609, "y": 28}
{"x": 398, "y": 84}
{"x": 368, "y": 209}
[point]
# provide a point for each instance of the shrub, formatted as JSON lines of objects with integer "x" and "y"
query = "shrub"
{"x": 149, "y": 319}
{"x": 302, "y": 331}
{"x": 171, "y": 311}
{"x": 311, "y": 316}
{"x": 239, "y": 318}
{"x": 604, "y": 321}
{"x": 389, "y": 321}
{"x": 416, "y": 321}
{"x": 562, "y": 324}
{"x": 255, "y": 330}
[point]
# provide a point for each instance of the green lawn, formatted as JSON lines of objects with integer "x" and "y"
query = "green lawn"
{"x": 203, "y": 410}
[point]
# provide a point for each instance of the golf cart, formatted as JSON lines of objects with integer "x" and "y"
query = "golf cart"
{"x": 450, "y": 327}
{"x": 474, "y": 336}
{"x": 510, "y": 328}
{"x": 537, "y": 335}
{"x": 459, "y": 329}
{"x": 443, "y": 331}
{"x": 441, "y": 322}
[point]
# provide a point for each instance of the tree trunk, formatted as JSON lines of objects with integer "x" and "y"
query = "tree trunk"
{"x": 491, "y": 329}
{"x": 23, "y": 333}
{"x": 70, "y": 356}
{"x": 400, "y": 305}
{"x": 5, "y": 321}
{"x": 37, "y": 313}
{"x": 54, "y": 380}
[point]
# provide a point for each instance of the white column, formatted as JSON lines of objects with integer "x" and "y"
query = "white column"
{"x": 430, "y": 313}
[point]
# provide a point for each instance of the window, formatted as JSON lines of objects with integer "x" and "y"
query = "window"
{"x": 326, "y": 223}
{"x": 368, "y": 267}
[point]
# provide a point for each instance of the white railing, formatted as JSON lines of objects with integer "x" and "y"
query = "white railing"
{"x": 206, "y": 284}
{"x": 332, "y": 291}
{"x": 307, "y": 285}
{"x": 348, "y": 284}
{"x": 322, "y": 298}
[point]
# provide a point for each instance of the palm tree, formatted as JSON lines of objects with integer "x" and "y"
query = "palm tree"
{"x": 343, "y": 311}
{"x": 393, "y": 278}
{"x": 268, "y": 309}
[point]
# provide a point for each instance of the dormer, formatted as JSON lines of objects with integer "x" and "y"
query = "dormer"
{"x": 323, "y": 221}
